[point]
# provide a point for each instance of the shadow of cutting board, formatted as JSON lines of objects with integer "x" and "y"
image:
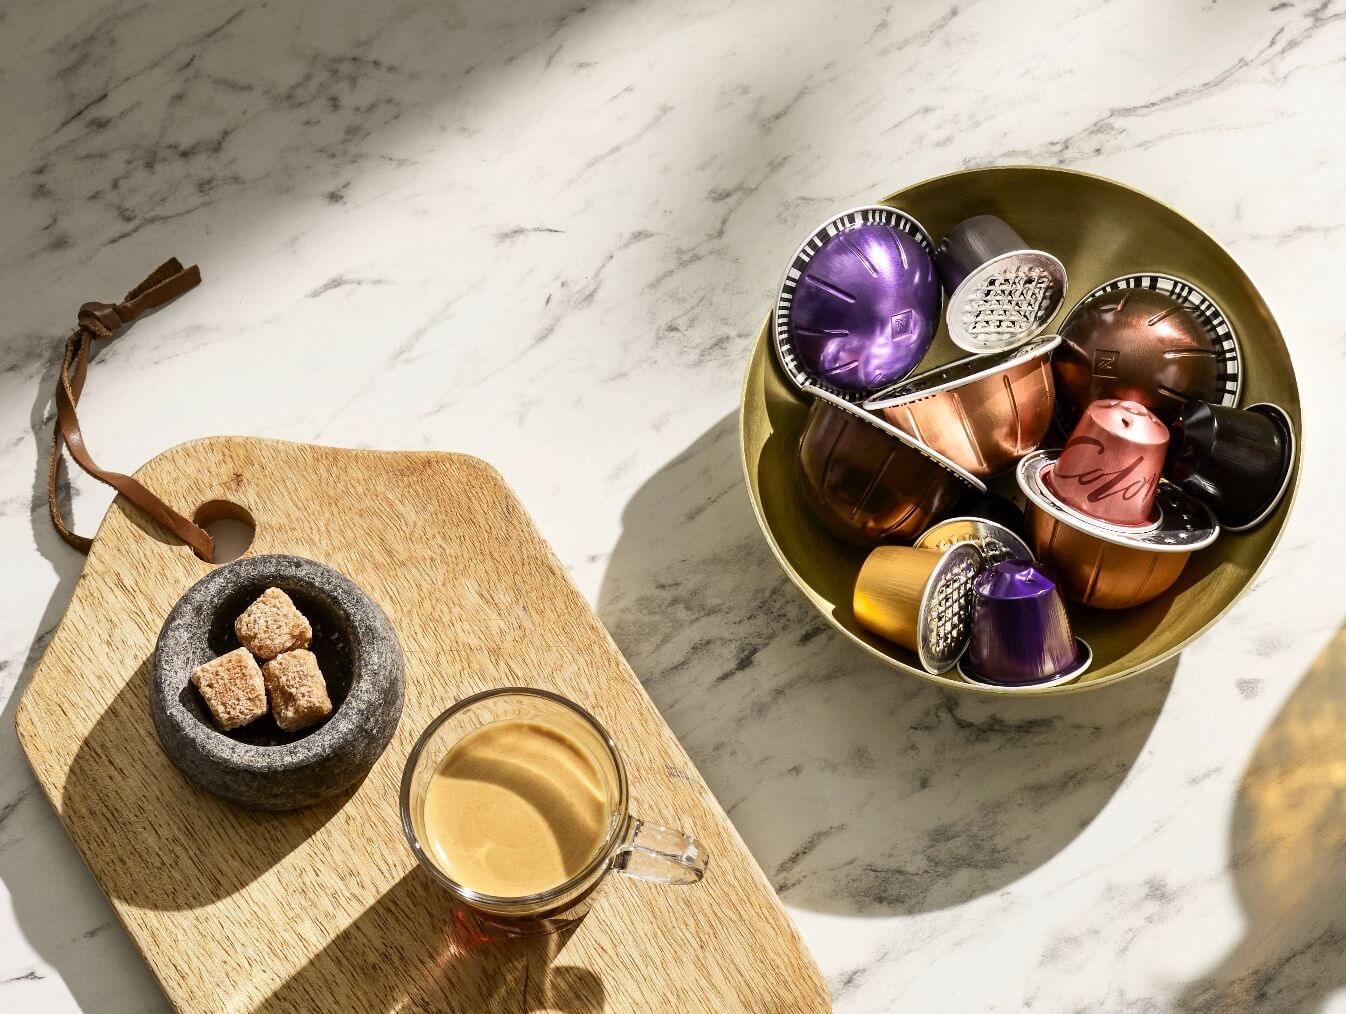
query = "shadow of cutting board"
{"x": 324, "y": 909}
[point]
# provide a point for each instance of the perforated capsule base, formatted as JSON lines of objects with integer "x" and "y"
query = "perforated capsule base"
{"x": 943, "y": 625}
{"x": 1006, "y": 301}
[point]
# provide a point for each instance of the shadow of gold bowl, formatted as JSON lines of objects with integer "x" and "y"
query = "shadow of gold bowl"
{"x": 1101, "y": 230}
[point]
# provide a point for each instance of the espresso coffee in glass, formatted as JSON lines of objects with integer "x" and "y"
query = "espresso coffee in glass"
{"x": 516, "y": 801}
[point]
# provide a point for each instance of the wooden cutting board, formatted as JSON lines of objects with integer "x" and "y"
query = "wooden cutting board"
{"x": 325, "y": 909}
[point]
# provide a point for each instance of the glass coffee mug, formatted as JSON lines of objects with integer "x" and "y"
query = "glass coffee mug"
{"x": 511, "y": 789}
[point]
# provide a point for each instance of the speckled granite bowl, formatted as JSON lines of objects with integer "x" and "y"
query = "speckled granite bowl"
{"x": 260, "y": 765}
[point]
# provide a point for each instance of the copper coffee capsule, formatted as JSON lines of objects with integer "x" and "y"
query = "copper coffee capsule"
{"x": 1149, "y": 338}
{"x": 1001, "y": 291}
{"x": 868, "y": 482}
{"x": 1103, "y": 565}
{"x": 1109, "y": 469}
{"x": 920, "y": 599}
{"x": 984, "y": 412}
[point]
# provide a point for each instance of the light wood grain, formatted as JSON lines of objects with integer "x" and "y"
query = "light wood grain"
{"x": 324, "y": 909}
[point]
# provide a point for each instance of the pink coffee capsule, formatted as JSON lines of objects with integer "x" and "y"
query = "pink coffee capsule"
{"x": 1109, "y": 469}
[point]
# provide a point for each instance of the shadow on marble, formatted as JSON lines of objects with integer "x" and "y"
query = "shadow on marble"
{"x": 446, "y": 963}
{"x": 55, "y": 903}
{"x": 1288, "y": 857}
{"x": 858, "y": 789}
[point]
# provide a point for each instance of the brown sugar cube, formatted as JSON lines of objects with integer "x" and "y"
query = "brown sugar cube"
{"x": 273, "y": 625}
{"x": 297, "y": 689}
{"x": 233, "y": 688}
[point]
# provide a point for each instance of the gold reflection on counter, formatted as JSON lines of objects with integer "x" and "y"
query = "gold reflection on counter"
{"x": 1295, "y": 790}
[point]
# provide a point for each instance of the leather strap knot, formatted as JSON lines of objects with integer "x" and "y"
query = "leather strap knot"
{"x": 103, "y": 316}
{"x": 103, "y": 320}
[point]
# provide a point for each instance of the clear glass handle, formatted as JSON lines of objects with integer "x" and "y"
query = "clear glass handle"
{"x": 659, "y": 854}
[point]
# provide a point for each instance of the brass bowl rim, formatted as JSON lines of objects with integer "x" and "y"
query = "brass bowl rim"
{"x": 759, "y": 348}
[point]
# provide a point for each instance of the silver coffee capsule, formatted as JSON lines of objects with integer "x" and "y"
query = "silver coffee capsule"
{"x": 1001, "y": 291}
{"x": 995, "y": 541}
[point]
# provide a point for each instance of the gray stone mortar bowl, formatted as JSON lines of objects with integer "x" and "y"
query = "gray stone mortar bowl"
{"x": 260, "y": 765}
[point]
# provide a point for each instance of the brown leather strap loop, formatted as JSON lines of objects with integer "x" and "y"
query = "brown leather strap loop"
{"x": 102, "y": 320}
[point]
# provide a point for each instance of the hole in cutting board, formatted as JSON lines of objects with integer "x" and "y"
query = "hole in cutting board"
{"x": 230, "y": 525}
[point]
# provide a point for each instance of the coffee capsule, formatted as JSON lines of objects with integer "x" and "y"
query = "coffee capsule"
{"x": 868, "y": 482}
{"x": 1109, "y": 469}
{"x": 993, "y": 507}
{"x": 995, "y": 541}
{"x": 1020, "y": 633}
{"x": 859, "y": 304}
{"x": 1236, "y": 461}
{"x": 1001, "y": 291}
{"x": 920, "y": 599}
{"x": 984, "y": 412}
{"x": 1106, "y": 566}
{"x": 1148, "y": 338}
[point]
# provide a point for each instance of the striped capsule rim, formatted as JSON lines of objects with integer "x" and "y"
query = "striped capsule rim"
{"x": 1206, "y": 311}
{"x": 869, "y": 214}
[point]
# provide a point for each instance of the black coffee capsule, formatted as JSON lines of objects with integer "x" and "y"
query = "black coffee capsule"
{"x": 1235, "y": 460}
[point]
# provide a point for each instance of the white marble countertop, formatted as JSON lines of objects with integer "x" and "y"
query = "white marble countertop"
{"x": 546, "y": 233}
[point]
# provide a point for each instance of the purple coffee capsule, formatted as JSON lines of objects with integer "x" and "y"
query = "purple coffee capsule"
{"x": 1021, "y": 635}
{"x": 860, "y": 303}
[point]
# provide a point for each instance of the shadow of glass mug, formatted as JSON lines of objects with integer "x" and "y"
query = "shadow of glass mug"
{"x": 629, "y": 846}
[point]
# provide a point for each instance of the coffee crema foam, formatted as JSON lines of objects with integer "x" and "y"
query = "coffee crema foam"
{"x": 515, "y": 808}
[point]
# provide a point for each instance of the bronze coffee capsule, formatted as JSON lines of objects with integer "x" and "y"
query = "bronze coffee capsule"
{"x": 984, "y": 412}
{"x": 920, "y": 599}
{"x": 1001, "y": 291}
{"x": 1148, "y": 338}
{"x": 868, "y": 482}
{"x": 1106, "y": 566}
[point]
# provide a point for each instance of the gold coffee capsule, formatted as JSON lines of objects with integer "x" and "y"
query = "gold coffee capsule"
{"x": 920, "y": 599}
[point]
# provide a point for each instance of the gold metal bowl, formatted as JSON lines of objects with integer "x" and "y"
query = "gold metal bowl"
{"x": 1101, "y": 230}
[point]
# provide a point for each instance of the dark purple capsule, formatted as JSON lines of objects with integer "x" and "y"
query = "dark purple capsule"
{"x": 865, "y": 309}
{"x": 1020, "y": 631}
